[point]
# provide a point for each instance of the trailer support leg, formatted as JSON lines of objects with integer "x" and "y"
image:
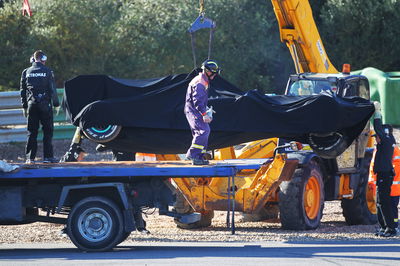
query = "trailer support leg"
{"x": 230, "y": 219}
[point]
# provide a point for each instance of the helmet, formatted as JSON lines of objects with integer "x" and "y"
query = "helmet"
{"x": 388, "y": 129}
{"x": 39, "y": 55}
{"x": 212, "y": 66}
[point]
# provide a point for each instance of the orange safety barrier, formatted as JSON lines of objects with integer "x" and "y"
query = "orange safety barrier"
{"x": 395, "y": 188}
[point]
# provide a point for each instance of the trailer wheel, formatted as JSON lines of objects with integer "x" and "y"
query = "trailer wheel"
{"x": 102, "y": 134}
{"x": 361, "y": 209}
{"x": 328, "y": 146}
{"x": 301, "y": 200}
{"x": 95, "y": 224}
{"x": 124, "y": 237}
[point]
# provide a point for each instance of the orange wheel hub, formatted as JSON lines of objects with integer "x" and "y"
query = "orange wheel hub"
{"x": 312, "y": 198}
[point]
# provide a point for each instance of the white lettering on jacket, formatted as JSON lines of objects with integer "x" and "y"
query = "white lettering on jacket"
{"x": 33, "y": 75}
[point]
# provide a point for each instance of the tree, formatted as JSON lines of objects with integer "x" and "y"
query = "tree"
{"x": 362, "y": 33}
{"x": 14, "y": 48}
{"x": 143, "y": 39}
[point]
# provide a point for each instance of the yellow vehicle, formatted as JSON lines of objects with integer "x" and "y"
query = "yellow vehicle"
{"x": 294, "y": 185}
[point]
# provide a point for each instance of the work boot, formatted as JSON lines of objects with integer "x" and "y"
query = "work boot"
{"x": 389, "y": 233}
{"x": 199, "y": 162}
{"x": 30, "y": 161}
{"x": 50, "y": 160}
{"x": 64, "y": 232}
{"x": 379, "y": 232}
{"x": 143, "y": 231}
{"x": 101, "y": 148}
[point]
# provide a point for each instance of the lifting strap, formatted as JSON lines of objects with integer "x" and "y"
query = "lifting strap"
{"x": 201, "y": 22}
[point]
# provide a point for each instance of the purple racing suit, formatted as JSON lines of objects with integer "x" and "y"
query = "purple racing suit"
{"x": 195, "y": 109}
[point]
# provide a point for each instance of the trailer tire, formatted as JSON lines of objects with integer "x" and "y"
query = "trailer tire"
{"x": 361, "y": 209}
{"x": 301, "y": 200}
{"x": 95, "y": 224}
{"x": 124, "y": 237}
{"x": 102, "y": 134}
{"x": 328, "y": 146}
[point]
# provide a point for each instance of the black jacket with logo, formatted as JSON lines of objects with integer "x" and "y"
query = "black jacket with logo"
{"x": 384, "y": 149}
{"x": 37, "y": 85}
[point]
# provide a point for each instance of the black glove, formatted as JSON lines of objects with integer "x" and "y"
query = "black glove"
{"x": 25, "y": 111}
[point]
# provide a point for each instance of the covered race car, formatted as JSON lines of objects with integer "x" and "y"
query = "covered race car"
{"x": 147, "y": 115}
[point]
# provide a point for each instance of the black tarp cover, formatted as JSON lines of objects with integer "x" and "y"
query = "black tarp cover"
{"x": 151, "y": 113}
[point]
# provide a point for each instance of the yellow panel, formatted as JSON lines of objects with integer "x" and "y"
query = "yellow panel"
{"x": 299, "y": 31}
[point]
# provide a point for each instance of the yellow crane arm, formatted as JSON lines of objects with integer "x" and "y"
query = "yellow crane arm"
{"x": 298, "y": 30}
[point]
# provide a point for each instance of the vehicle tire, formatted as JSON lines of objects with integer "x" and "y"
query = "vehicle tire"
{"x": 95, "y": 224}
{"x": 124, "y": 236}
{"x": 301, "y": 200}
{"x": 269, "y": 212}
{"x": 328, "y": 146}
{"x": 102, "y": 134}
{"x": 361, "y": 209}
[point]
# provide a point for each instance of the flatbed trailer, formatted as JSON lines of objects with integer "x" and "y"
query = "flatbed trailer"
{"x": 101, "y": 202}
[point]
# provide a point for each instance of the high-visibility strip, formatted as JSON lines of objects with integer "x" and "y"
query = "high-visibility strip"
{"x": 396, "y": 157}
{"x": 394, "y": 182}
{"x": 197, "y": 146}
{"x": 203, "y": 151}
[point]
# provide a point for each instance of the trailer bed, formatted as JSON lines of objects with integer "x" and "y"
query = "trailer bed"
{"x": 224, "y": 168}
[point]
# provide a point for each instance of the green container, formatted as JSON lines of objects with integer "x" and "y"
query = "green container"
{"x": 385, "y": 88}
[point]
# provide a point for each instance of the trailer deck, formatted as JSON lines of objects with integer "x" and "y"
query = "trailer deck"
{"x": 31, "y": 183}
{"x": 226, "y": 168}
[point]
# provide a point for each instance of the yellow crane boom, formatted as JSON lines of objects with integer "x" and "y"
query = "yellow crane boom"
{"x": 298, "y": 30}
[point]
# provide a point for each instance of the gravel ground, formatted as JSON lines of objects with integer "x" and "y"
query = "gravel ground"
{"x": 163, "y": 229}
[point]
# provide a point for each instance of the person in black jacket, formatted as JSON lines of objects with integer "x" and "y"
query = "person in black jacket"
{"x": 38, "y": 94}
{"x": 383, "y": 168}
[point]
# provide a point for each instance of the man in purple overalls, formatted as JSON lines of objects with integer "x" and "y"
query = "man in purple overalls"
{"x": 196, "y": 111}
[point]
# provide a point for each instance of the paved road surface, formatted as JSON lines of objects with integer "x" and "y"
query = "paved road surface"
{"x": 221, "y": 254}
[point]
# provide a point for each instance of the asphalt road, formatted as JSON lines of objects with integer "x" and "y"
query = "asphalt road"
{"x": 210, "y": 253}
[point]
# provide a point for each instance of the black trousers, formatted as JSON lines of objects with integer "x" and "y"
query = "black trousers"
{"x": 39, "y": 113}
{"x": 395, "y": 202}
{"x": 384, "y": 201}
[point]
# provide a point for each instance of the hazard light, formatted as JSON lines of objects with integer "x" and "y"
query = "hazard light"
{"x": 346, "y": 69}
{"x": 296, "y": 146}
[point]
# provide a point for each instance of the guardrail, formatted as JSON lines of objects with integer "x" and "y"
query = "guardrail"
{"x": 13, "y": 123}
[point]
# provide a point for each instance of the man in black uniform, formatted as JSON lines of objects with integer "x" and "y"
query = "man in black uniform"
{"x": 383, "y": 168}
{"x": 38, "y": 93}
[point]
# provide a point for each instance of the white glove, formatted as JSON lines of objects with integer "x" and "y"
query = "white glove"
{"x": 207, "y": 119}
{"x": 57, "y": 109}
{"x": 377, "y": 106}
{"x": 377, "y": 114}
{"x": 210, "y": 111}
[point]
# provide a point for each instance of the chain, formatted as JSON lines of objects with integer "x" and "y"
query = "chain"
{"x": 201, "y": 10}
